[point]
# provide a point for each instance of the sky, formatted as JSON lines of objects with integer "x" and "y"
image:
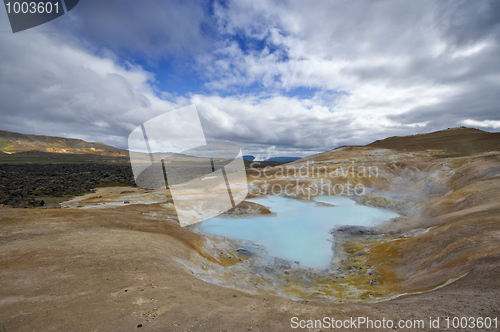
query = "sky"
{"x": 279, "y": 78}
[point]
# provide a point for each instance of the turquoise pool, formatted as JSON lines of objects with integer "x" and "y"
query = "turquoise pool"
{"x": 300, "y": 230}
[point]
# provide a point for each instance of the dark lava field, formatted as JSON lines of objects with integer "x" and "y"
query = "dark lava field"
{"x": 28, "y": 185}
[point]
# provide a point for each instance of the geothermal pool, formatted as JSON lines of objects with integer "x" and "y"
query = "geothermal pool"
{"x": 300, "y": 230}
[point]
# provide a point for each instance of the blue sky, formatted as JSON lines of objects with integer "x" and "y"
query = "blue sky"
{"x": 276, "y": 77}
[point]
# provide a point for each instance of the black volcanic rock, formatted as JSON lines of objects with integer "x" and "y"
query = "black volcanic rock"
{"x": 21, "y": 185}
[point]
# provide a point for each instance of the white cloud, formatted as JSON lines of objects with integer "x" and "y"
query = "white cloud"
{"x": 152, "y": 29}
{"x": 386, "y": 61}
{"x": 49, "y": 87}
{"x": 484, "y": 124}
{"x": 470, "y": 51}
{"x": 374, "y": 69}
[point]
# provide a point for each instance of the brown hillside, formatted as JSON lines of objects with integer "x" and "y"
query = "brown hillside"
{"x": 14, "y": 143}
{"x": 462, "y": 141}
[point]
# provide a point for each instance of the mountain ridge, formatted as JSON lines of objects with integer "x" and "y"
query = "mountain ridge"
{"x": 17, "y": 143}
{"x": 447, "y": 143}
{"x": 452, "y": 142}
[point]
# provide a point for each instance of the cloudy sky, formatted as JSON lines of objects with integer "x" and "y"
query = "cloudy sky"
{"x": 277, "y": 77}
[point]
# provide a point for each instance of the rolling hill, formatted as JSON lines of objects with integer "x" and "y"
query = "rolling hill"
{"x": 460, "y": 141}
{"x": 18, "y": 148}
{"x": 11, "y": 142}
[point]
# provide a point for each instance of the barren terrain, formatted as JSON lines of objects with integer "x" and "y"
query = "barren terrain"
{"x": 118, "y": 260}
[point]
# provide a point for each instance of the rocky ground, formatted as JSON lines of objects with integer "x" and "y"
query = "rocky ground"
{"x": 122, "y": 269}
{"x": 27, "y": 185}
{"x": 118, "y": 260}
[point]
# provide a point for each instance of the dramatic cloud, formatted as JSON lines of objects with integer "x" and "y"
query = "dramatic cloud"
{"x": 48, "y": 87}
{"x": 150, "y": 29}
{"x": 432, "y": 63}
{"x": 286, "y": 78}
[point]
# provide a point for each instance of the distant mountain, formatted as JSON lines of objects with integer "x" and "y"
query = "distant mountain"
{"x": 452, "y": 142}
{"x": 283, "y": 159}
{"x": 15, "y": 143}
{"x": 21, "y": 148}
{"x": 276, "y": 159}
{"x": 459, "y": 141}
